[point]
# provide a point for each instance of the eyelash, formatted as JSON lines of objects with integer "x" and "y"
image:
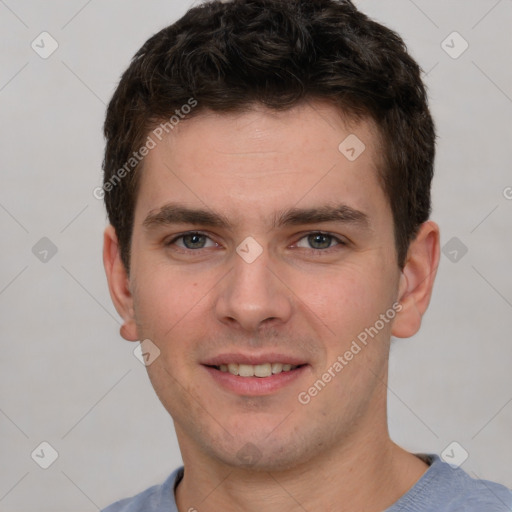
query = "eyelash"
{"x": 339, "y": 241}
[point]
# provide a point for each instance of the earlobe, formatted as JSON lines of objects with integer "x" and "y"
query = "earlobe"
{"x": 417, "y": 280}
{"x": 118, "y": 284}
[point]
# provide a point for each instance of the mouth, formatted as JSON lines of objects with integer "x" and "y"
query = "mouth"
{"x": 255, "y": 376}
{"x": 256, "y": 370}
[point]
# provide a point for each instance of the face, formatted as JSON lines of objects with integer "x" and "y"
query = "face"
{"x": 259, "y": 244}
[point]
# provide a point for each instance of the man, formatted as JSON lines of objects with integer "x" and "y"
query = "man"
{"x": 267, "y": 179}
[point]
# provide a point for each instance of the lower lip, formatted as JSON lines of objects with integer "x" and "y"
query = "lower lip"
{"x": 255, "y": 386}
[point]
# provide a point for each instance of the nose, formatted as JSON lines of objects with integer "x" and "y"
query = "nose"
{"x": 253, "y": 295}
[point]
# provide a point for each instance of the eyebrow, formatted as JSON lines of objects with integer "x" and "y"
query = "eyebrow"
{"x": 174, "y": 213}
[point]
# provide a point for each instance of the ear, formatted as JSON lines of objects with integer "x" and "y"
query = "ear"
{"x": 119, "y": 284}
{"x": 417, "y": 280}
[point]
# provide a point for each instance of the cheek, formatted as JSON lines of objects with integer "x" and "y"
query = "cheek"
{"x": 345, "y": 299}
{"x": 164, "y": 298}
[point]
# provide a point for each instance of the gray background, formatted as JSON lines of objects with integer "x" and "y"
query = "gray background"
{"x": 66, "y": 376}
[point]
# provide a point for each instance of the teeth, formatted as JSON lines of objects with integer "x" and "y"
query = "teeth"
{"x": 277, "y": 367}
{"x": 245, "y": 370}
{"x": 257, "y": 370}
{"x": 263, "y": 370}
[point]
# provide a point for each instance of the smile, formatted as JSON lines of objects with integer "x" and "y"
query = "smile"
{"x": 260, "y": 379}
{"x": 256, "y": 370}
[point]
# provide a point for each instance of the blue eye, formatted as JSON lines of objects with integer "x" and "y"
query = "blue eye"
{"x": 192, "y": 240}
{"x": 320, "y": 241}
{"x": 315, "y": 241}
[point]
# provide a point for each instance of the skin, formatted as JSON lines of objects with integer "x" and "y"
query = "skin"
{"x": 300, "y": 298}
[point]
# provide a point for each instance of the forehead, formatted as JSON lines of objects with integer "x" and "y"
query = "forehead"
{"x": 310, "y": 127}
{"x": 254, "y": 163}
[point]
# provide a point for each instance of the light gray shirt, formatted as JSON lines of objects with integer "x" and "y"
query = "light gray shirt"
{"x": 442, "y": 488}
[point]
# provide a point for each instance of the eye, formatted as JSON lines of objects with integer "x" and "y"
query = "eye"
{"x": 319, "y": 241}
{"x": 192, "y": 240}
{"x": 316, "y": 241}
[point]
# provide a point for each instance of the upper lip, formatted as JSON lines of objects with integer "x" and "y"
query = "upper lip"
{"x": 253, "y": 359}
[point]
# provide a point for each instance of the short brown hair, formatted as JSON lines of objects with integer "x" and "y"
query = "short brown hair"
{"x": 226, "y": 56}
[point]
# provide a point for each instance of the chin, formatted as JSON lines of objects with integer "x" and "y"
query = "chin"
{"x": 262, "y": 454}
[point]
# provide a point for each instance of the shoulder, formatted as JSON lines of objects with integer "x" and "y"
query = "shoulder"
{"x": 475, "y": 494}
{"x": 155, "y": 499}
{"x": 444, "y": 488}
